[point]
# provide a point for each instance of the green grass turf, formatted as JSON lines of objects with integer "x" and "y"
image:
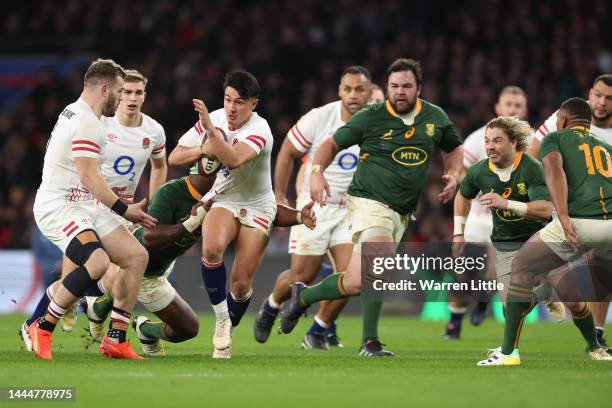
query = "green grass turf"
{"x": 426, "y": 371}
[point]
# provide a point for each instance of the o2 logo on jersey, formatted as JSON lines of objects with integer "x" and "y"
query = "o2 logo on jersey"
{"x": 348, "y": 161}
{"x": 124, "y": 166}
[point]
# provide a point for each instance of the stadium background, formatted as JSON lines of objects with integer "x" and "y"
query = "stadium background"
{"x": 297, "y": 49}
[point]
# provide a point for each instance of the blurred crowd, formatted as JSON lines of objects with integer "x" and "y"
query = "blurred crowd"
{"x": 469, "y": 50}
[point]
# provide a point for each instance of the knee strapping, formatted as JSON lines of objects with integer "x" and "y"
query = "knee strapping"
{"x": 82, "y": 246}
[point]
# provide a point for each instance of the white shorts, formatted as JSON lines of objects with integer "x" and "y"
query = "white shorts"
{"x": 61, "y": 221}
{"x": 503, "y": 262}
{"x": 592, "y": 234}
{"x": 369, "y": 218}
{"x": 260, "y": 217}
{"x": 156, "y": 292}
{"x": 332, "y": 229}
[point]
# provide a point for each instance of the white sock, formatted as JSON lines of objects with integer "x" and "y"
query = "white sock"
{"x": 272, "y": 302}
{"x": 221, "y": 311}
{"x": 56, "y": 310}
{"x": 321, "y": 322}
{"x": 101, "y": 286}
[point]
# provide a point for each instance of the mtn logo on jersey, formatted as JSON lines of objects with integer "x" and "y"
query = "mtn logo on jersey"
{"x": 409, "y": 156}
{"x": 146, "y": 143}
{"x": 507, "y": 215}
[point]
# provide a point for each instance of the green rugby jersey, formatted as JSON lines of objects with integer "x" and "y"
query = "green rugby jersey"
{"x": 588, "y": 168}
{"x": 171, "y": 204}
{"x": 394, "y": 156}
{"x": 526, "y": 184}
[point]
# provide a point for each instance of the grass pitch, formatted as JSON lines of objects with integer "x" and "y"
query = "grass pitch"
{"x": 426, "y": 370}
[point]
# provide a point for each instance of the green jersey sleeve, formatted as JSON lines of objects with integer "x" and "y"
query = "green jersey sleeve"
{"x": 468, "y": 187}
{"x": 449, "y": 138}
{"x": 161, "y": 206}
{"x": 550, "y": 143}
{"x": 537, "y": 189}
{"x": 353, "y": 131}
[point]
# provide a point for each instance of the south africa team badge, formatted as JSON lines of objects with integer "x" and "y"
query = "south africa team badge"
{"x": 430, "y": 129}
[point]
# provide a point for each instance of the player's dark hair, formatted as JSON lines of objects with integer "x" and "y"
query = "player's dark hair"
{"x": 406, "y": 64}
{"x": 103, "y": 69}
{"x": 357, "y": 70}
{"x": 576, "y": 109}
{"x": 243, "y": 82}
{"x": 605, "y": 78}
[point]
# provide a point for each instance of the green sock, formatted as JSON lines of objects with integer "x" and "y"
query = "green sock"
{"x": 329, "y": 288}
{"x": 584, "y": 321}
{"x": 519, "y": 302}
{"x": 370, "y": 313}
{"x": 103, "y": 305}
{"x": 154, "y": 329}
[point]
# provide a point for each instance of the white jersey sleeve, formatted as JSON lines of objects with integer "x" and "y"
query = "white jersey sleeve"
{"x": 88, "y": 138}
{"x": 257, "y": 142}
{"x": 193, "y": 137}
{"x": 159, "y": 149}
{"x": 474, "y": 148}
{"x": 549, "y": 126}
{"x": 303, "y": 133}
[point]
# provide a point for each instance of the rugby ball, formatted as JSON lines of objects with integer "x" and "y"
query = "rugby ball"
{"x": 209, "y": 165}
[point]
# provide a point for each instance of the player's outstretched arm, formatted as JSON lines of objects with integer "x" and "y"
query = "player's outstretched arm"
{"x": 453, "y": 164}
{"x": 535, "y": 210}
{"x": 319, "y": 188}
{"x": 539, "y": 210}
{"x": 183, "y": 155}
{"x": 556, "y": 181}
{"x": 159, "y": 173}
{"x": 89, "y": 174}
{"x": 461, "y": 210}
{"x": 165, "y": 234}
{"x": 283, "y": 170}
{"x": 288, "y": 217}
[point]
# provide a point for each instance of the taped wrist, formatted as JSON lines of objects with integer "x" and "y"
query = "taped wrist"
{"x": 194, "y": 221}
{"x": 119, "y": 207}
{"x": 518, "y": 207}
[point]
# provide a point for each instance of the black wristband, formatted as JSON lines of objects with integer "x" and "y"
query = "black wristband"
{"x": 119, "y": 207}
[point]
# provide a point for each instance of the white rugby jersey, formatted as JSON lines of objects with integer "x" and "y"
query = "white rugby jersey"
{"x": 250, "y": 183}
{"x": 550, "y": 125}
{"x": 77, "y": 133}
{"x": 308, "y": 134}
{"x": 479, "y": 225}
{"x": 128, "y": 149}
